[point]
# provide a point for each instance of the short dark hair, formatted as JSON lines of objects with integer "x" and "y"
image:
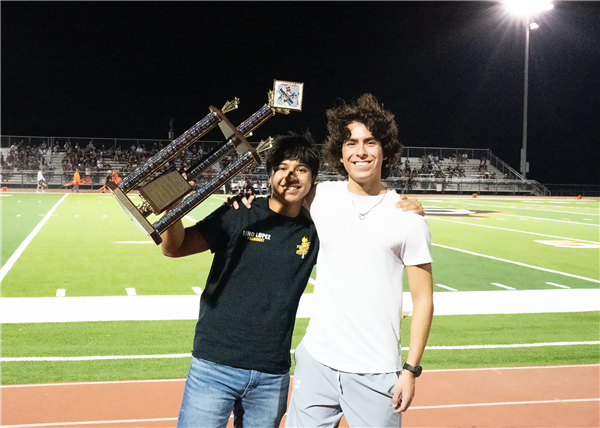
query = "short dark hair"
{"x": 379, "y": 121}
{"x": 293, "y": 146}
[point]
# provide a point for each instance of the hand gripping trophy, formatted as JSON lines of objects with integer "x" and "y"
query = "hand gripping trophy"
{"x": 160, "y": 187}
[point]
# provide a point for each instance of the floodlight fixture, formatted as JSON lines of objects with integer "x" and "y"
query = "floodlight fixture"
{"x": 533, "y": 26}
{"x": 527, "y": 7}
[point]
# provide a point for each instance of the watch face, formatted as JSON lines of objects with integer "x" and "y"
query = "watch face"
{"x": 418, "y": 371}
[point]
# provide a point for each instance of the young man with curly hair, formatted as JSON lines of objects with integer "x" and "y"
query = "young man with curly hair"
{"x": 349, "y": 360}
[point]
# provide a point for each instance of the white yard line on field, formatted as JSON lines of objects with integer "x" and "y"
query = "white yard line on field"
{"x": 530, "y": 209}
{"x": 550, "y": 219}
{"x": 510, "y": 230}
{"x": 503, "y": 286}
{"x": 446, "y": 287}
{"x": 13, "y": 259}
{"x": 518, "y": 263}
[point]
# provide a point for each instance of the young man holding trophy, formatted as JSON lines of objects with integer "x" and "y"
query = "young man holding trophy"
{"x": 263, "y": 258}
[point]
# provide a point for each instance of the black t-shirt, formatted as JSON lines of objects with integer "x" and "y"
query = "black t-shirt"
{"x": 262, "y": 262}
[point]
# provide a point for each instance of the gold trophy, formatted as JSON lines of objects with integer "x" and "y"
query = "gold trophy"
{"x": 160, "y": 187}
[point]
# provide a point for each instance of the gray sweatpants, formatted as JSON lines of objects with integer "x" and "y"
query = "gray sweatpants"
{"x": 321, "y": 395}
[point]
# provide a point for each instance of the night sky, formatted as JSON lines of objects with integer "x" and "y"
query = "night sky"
{"x": 451, "y": 72}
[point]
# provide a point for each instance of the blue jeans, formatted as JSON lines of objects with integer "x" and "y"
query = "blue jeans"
{"x": 212, "y": 391}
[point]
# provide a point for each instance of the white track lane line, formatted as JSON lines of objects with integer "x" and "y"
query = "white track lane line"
{"x": 448, "y": 406}
{"x": 506, "y": 403}
{"x": 182, "y": 380}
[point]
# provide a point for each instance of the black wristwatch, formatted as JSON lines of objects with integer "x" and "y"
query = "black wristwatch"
{"x": 415, "y": 370}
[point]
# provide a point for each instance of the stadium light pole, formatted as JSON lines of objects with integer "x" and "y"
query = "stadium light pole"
{"x": 525, "y": 9}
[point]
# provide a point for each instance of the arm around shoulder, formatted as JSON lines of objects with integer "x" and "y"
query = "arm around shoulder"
{"x": 410, "y": 204}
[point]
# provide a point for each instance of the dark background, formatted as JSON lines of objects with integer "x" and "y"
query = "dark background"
{"x": 451, "y": 72}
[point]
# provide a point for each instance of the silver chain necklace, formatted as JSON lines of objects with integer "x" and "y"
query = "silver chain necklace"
{"x": 362, "y": 216}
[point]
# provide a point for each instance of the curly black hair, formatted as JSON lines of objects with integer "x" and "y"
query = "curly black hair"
{"x": 379, "y": 121}
{"x": 293, "y": 146}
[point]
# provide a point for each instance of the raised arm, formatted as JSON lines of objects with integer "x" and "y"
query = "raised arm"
{"x": 178, "y": 241}
{"x": 421, "y": 290}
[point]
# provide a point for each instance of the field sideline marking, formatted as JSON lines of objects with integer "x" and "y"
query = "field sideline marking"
{"x": 188, "y": 355}
{"x": 15, "y": 256}
{"x": 512, "y": 230}
{"x": 519, "y": 263}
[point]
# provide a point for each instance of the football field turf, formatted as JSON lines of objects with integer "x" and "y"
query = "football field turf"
{"x": 65, "y": 246}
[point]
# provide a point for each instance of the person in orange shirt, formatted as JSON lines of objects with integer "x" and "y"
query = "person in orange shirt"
{"x": 76, "y": 180}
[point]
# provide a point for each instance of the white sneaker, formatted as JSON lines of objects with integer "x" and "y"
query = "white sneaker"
{"x": 37, "y": 191}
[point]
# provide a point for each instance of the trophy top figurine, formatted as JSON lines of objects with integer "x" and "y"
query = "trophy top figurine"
{"x": 287, "y": 95}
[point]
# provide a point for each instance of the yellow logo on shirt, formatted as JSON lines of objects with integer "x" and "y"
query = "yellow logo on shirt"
{"x": 303, "y": 248}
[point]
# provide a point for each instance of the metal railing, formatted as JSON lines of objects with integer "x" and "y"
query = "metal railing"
{"x": 510, "y": 181}
{"x": 586, "y": 190}
{"x": 420, "y": 185}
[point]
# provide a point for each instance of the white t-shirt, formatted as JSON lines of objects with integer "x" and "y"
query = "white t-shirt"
{"x": 40, "y": 176}
{"x": 357, "y": 302}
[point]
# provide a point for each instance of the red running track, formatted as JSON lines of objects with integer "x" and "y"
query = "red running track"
{"x": 559, "y": 396}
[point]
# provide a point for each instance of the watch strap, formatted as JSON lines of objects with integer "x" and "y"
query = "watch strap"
{"x": 415, "y": 370}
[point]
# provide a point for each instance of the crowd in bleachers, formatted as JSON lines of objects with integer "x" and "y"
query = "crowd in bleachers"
{"x": 430, "y": 166}
{"x": 94, "y": 157}
{"x": 433, "y": 166}
{"x": 21, "y": 156}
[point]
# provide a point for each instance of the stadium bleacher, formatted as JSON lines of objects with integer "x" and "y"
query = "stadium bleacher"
{"x": 499, "y": 178}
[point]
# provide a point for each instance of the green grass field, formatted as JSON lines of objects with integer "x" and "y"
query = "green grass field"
{"x": 88, "y": 247}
